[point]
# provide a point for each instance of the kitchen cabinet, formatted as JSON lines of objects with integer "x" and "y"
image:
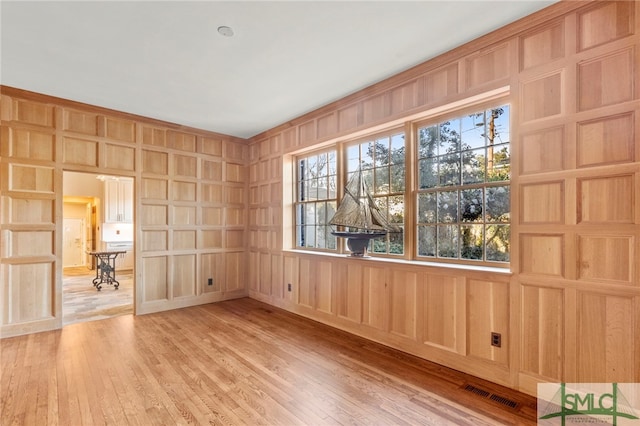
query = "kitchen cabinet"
{"x": 118, "y": 200}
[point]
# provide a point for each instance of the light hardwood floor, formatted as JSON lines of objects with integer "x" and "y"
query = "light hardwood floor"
{"x": 82, "y": 302}
{"x": 237, "y": 362}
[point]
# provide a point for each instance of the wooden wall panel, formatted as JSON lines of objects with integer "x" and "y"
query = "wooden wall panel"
{"x": 543, "y": 45}
{"x": 607, "y": 257}
{"x": 306, "y": 283}
{"x": 542, "y": 97}
{"x": 211, "y": 238}
{"x": 184, "y": 191}
{"x": 542, "y": 202}
{"x": 79, "y": 151}
{"x": 43, "y": 137}
{"x": 184, "y": 215}
{"x": 19, "y": 211}
{"x": 154, "y": 241}
{"x": 154, "y": 215}
{"x": 80, "y": 122}
{"x": 154, "y": 285}
{"x": 487, "y": 312}
{"x": 212, "y": 170}
{"x": 27, "y": 290}
{"x": 487, "y": 66}
{"x": 28, "y": 243}
{"x": 542, "y": 331}
{"x": 155, "y": 189}
{"x": 444, "y": 313}
{"x": 30, "y": 112}
{"x": 184, "y": 240}
{"x": 186, "y": 166}
{"x": 441, "y": 84}
{"x": 375, "y": 298}
{"x": 605, "y": 22}
{"x": 212, "y": 267}
{"x": 28, "y": 144}
{"x": 606, "y": 140}
{"x": 606, "y": 80}
{"x": 235, "y": 269}
{"x": 349, "y": 293}
{"x": 606, "y": 199}
{"x": 542, "y": 254}
{"x": 324, "y": 287}
{"x": 184, "y": 275}
{"x": 403, "y": 303}
{"x": 542, "y": 151}
{"x": 119, "y": 157}
{"x": 31, "y": 178}
{"x": 121, "y": 130}
{"x": 603, "y": 330}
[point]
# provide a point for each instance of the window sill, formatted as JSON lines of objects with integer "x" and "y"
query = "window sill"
{"x": 414, "y": 263}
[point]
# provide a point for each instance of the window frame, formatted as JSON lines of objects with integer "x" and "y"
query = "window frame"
{"x": 436, "y": 120}
{"x": 408, "y": 126}
{"x": 297, "y": 202}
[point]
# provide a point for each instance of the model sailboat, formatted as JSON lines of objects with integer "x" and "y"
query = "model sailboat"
{"x": 361, "y": 217}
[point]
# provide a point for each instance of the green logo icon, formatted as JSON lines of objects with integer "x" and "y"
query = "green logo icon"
{"x": 587, "y": 403}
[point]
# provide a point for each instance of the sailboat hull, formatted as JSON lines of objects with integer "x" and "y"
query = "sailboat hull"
{"x": 358, "y": 241}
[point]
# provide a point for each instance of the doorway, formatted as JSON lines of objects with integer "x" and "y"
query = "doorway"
{"x": 86, "y": 231}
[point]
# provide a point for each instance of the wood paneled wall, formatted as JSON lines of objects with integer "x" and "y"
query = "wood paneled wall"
{"x": 570, "y": 308}
{"x": 190, "y": 205}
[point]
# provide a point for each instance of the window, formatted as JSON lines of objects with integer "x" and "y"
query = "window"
{"x": 382, "y": 161}
{"x": 316, "y": 200}
{"x": 456, "y": 206}
{"x": 463, "y": 195}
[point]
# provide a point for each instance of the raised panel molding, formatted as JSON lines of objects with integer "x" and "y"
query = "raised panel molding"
{"x": 605, "y": 22}
{"x": 606, "y": 80}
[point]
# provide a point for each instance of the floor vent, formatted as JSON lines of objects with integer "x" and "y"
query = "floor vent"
{"x": 504, "y": 401}
{"x": 492, "y": 396}
{"x": 477, "y": 391}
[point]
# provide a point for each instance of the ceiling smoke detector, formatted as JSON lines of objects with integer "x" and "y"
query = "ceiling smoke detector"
{"x": 225, "y": 31}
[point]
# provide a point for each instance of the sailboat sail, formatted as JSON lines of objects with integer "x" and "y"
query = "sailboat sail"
{"x": 358, "y": 210}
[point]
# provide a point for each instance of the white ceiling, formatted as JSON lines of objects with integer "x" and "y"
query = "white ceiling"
{"x": 166, "y": 60}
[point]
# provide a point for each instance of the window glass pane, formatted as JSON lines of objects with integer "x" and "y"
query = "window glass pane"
{"x": 501, "y": 124}
{"x": 427, "y": 208}
{"x": 498, "y": 163}
{"x": 471, "y": 242}
{"x": 449, "y": 169}
{"x": 497, "y": 208}
{"x": 397, "y": 178}
{"x": 427, "y": 241}
{"x": 396, "y": 209}
{"x": 367, "y": 155}
{"x": 322, "y": 165}
{"x": 310, "y": 236}
{"x": 428, "y": 173}
{"x": 497, "y": 244}
{"x": 447, "y": 207}
{"x": 382, "y": 152}
{"x": 448, "y": 241}
{"x": 473, "y": 166}
{"x": 382, "y": 181}
{"x": 473, "y": 131}
{"x": 471, "y": 205}
{"x": 397, "y": 149}
{"x": 450, "y": 136}
{"x": 427, "y": 142}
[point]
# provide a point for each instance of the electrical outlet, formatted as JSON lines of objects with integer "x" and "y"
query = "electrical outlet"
{"x": 289, "y": 287}
{"x": 210, "y": 281}
{"x": 496, "y": 339}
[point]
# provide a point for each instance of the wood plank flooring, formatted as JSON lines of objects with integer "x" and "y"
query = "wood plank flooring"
{"x": 237, "y": 362}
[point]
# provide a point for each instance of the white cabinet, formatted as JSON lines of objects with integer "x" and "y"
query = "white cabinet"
{"x": 118, "y": 200}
